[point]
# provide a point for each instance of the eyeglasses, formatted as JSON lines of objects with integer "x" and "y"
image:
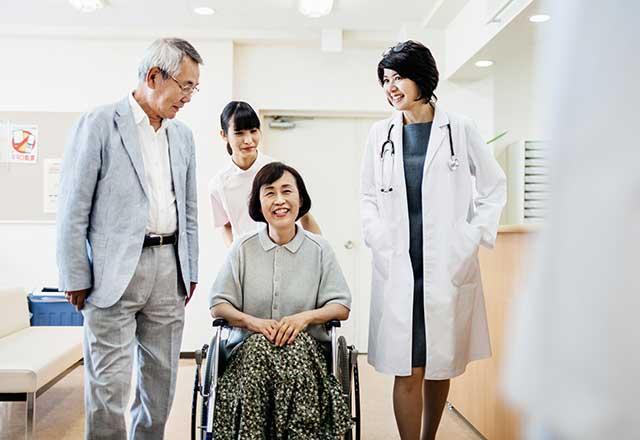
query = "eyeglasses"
{"x": 188, "y": 89}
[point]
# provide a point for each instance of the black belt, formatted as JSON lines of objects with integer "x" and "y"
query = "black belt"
{"x": 159, "y": 240}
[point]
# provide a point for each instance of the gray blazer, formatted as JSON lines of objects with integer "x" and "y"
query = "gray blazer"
{"x": 103, "y": 205}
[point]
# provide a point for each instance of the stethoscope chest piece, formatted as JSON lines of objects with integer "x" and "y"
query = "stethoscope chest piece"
{"x": 454, "y": 163}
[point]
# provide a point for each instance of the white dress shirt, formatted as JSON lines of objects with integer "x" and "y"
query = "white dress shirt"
{"x": 157, "y": 169}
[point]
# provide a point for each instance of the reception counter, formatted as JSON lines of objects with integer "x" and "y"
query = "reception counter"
{"x": 475, "y": 394}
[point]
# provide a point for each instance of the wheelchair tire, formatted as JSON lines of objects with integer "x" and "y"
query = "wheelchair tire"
{"x": 194, "y": 406}
{"x": 206, "y": 387}
{"x": 356, "y": 390}
{"x": 197, "y": 389}
{"x": 344, "y": 372}
{"x": 344, "y": 368}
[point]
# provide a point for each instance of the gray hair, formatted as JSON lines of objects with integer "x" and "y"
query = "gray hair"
{"x": 167, "y": 54}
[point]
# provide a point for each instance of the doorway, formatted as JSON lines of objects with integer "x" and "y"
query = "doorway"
{"x": 327, "y": 151}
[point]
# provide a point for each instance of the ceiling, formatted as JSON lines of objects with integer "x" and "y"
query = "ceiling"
{"x": 519, "y": 38}
{"x": 233, "y": 18}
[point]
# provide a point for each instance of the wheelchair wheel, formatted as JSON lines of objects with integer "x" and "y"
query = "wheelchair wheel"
{"x": 344, "y": 373}
{"x": 344, "y": 369}
{"x": 206, "y": 388}
{"x": 197, "y": 389}
{"x": 353, "y": 354}
{"x": 202, "y": 388}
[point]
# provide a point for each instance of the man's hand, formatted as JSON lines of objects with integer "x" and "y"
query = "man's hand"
{"x": 77, "y": 297}
{"x": 290, "y": 327}
{"x": 192, "y": 288}
{"x": 267, "y": 327}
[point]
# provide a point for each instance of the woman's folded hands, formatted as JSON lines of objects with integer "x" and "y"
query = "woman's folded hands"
{"x": 290, "y": 327}
{"x": 268, "y": 327}
{"x": 280, "y": 332}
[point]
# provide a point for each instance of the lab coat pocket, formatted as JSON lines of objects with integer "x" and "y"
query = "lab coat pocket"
{"x": 378, "y": 238}
{"x": 463, "y": 251}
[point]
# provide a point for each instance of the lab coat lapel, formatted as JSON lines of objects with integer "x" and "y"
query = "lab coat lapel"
{"x": 398, "y": 165}
{"x": 438, "y": 134}
{"x": 129, "y": 134}
{"x": 399, "y": 184}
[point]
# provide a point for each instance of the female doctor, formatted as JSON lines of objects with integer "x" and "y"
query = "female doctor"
{"x": 423, "y": 217}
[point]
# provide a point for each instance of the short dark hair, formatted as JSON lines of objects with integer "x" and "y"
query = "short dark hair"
{"x": 266, "y": 176}
{"x": 244, "y": 118}
{"x": 412, "y": 60}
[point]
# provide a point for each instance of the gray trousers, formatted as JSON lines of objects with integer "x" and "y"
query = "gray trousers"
{"x": 148, "y": 321}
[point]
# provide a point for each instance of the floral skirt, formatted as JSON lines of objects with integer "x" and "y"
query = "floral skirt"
{"x": 270, "y": 392}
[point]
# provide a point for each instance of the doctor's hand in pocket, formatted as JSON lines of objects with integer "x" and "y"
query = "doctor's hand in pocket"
{"x": 464, "y": 248}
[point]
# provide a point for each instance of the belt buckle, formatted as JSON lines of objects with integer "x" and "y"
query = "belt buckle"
{"x": 153, "y": 236}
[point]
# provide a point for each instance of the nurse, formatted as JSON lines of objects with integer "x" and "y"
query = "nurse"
{"x": 431, "y": 193}
{"x": 229, "y": 190}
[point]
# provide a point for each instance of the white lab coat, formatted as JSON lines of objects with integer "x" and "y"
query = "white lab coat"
{"x": 455, "y": 222}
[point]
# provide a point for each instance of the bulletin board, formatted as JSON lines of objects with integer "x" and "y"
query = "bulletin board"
{"x": 22, "y": 185}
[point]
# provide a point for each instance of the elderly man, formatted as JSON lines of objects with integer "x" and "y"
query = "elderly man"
{"x": 127, "y": 241}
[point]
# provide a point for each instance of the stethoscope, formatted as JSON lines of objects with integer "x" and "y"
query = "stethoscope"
{"x": 388, "y": 155}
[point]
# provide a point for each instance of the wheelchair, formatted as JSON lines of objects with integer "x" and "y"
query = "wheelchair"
{"x": 341, "y": 360}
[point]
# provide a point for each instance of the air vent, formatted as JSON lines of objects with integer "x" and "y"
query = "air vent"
{"x": 528, "y": 182}
{"x": 536, "y": 181}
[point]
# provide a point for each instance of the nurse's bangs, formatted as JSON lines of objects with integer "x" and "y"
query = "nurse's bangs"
{"x": 243, "y": 115}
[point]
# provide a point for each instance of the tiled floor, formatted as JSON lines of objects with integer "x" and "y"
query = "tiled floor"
{"x": 60, "y": 411}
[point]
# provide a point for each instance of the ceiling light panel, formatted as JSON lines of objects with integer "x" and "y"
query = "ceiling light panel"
{"x": 315, "y": 8}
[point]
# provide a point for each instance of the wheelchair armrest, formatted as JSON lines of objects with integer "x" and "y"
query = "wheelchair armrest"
{"x": 331, "y": 324}
{"x": 220, "y": 322}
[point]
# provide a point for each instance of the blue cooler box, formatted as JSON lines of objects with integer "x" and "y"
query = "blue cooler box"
{"x": 53, "y": 310}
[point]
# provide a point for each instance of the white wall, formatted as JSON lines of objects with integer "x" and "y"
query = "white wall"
{"x": 514, "y": 98}
{"x": 473, "y": 99}
{"x": 304, "y": 78}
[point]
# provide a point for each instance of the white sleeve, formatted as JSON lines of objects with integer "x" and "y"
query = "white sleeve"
{"x": 371, "y": 222}
{"x": 491, "y": 186}
{"x": 220, "y": 216}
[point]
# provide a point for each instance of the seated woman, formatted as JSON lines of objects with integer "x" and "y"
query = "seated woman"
{"x": 278, "y": 286}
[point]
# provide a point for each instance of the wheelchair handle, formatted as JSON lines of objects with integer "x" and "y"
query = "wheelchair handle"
{"x": 332, "y": 324}
{"x": 220, "y": 322}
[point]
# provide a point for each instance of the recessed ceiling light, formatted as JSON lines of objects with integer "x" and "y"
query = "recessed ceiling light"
{"x": 539, "y": 18}
{"x": 315, "y": 8}
{"x": 204, "y": 10}
{"x": 88, "y": 5}
{"x": 484, "y": 63}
